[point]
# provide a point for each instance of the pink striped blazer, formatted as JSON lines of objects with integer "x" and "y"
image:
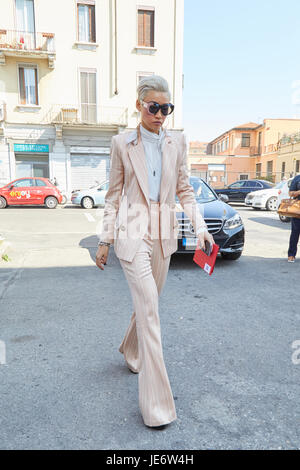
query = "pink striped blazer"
{"x": 127, "y": 205}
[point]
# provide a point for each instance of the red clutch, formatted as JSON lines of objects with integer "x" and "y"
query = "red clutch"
{"x": 206, "y": 262}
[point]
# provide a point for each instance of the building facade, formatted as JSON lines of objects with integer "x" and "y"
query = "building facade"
{"x": 288, "y": 161}
{"x": 68, "y": 76}
{"x": 249, "y": 150}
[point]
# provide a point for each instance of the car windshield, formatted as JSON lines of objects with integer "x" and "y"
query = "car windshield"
{"x": 96, "y": 185}
{"x": 280, "y": 185}
{"x": 202, "y": 192}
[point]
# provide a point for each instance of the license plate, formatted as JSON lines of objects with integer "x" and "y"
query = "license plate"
{"x": 189, "y": 243}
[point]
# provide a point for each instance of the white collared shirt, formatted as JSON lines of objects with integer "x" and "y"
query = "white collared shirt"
{"x": 153, "y": 144}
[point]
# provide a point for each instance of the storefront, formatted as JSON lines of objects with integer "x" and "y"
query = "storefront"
{"x": 31, "y": 160}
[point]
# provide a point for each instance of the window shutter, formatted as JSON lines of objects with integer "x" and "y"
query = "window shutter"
{"x": 146, "y": 28}
{"x": 92, "y": 23}
{"x": 141, "y": 28}
{"x": 36, "y": 87}
{"x": 22, "y": 86}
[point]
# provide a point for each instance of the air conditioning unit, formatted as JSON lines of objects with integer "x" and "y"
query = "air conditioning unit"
{"x": 2, "y": 111}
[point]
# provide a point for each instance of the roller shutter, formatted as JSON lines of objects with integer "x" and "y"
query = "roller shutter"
{"x": 87, "y": 170}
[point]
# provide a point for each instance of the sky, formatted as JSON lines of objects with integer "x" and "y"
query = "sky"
{"x": 241, "y": 64}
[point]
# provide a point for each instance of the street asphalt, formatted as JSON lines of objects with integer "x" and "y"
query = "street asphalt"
{"x": 227, "y": 339}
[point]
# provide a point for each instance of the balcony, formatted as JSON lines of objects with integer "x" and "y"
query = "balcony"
{"x": 255, "y": 151}
{"x": 88, "y": 115}
{"x": 28, "y": 45}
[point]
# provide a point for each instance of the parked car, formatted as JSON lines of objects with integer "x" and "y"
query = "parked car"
{"x": 89, "y": 198}
{"x": 284, "y": 194}
{"x": 264, "y": 198}
{"x": 30, "y": 191}
{"x": 238, "y": 190}
{"x": 223, "y": 222}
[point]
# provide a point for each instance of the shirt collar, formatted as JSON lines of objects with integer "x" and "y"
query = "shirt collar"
{"x": 132, "y": 136}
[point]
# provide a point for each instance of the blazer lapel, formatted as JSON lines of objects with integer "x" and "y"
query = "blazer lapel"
{"x": 138, "y": 159}
{"x": 169, "y": 155}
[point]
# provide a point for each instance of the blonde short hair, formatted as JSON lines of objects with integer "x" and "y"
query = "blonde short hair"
{"x": 152, "y": 83}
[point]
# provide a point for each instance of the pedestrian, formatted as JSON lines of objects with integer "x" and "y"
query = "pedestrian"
{"x": 149, "y": 165}
{"x": 295, "y": 223}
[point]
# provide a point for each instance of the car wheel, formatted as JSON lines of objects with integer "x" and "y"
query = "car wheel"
{"x": 3, "y": 202}
{"x": 51, "y": 202}
{"x": 271, "y": 204}
{"x": 87, "y": 202}
{"x": 283, "y": 218}
{"x": 231, "y": 256}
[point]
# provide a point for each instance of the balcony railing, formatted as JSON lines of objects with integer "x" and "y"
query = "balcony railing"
{"x": 27, "y": 44}
{"x": 289, "y": 139}
{"x": 26, "y": 41}
{"x": 255, "y": 150}
{"x": 87, "y": 114}
{"x": 263, "y": 149}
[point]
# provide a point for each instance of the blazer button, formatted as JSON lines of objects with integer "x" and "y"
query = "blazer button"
{"x": 122, "y": 227}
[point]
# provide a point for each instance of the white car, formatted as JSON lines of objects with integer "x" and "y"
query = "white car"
{"x": 284, "y": 194}
{"x": 265, "y": 198}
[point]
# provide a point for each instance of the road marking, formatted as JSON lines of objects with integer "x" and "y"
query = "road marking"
{"x": 89, "y": 217}
{"x": 45, "y": 233}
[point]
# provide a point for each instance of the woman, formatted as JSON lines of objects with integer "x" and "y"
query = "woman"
{"x": 149, "y": 166}
{"x": 295, "y": 223}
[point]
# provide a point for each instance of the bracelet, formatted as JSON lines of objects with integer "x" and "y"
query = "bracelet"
{"x": 103, "y": 243}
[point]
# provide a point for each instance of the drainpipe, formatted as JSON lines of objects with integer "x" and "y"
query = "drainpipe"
{"x": 116, "y": 52}
{"x": 174, "y": 59}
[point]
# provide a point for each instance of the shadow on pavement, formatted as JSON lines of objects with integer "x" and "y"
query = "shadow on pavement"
{"x": 271, "y": 222}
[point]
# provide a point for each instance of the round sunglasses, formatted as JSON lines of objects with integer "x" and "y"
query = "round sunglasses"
{"x": 153, "y": 107}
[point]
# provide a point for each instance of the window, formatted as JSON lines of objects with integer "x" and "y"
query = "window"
{"x": 86, "y": 22}
{"x": 297, "y": 166}
{"x": 88, "y": 96}
{"x": 245, "y": 140}
{"x": 237, "y": 185}
{"x": 259, "y": 142}
{"x": 258, "y": 170}
{"x": 270, "y": 168}
{"x": 25, "y": 34}
{"x": 24, "y": 183}
{"x": 244, "y": 177}
{"x": 227, "y": 143}
{"x": 282, "y": 169}
{"x": 25, "y": 16}
{"x": 28, "y": 85}
{"x": 146, "y": 28}
{"x": 40, "y": 183}
{"x": 253, "y": 184}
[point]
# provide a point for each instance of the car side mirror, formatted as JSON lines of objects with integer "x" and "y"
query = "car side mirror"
{"x": 11, "y": 186}
{"x": 223, "y": 197}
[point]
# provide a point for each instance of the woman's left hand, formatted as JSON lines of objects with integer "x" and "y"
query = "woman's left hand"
{"x": 205, "y": 236}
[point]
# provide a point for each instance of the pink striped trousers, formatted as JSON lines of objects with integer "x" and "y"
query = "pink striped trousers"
{"x": 141, "y": 346}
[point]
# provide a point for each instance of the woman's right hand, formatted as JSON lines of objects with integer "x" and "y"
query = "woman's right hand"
{"x": 101, "y": 256}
